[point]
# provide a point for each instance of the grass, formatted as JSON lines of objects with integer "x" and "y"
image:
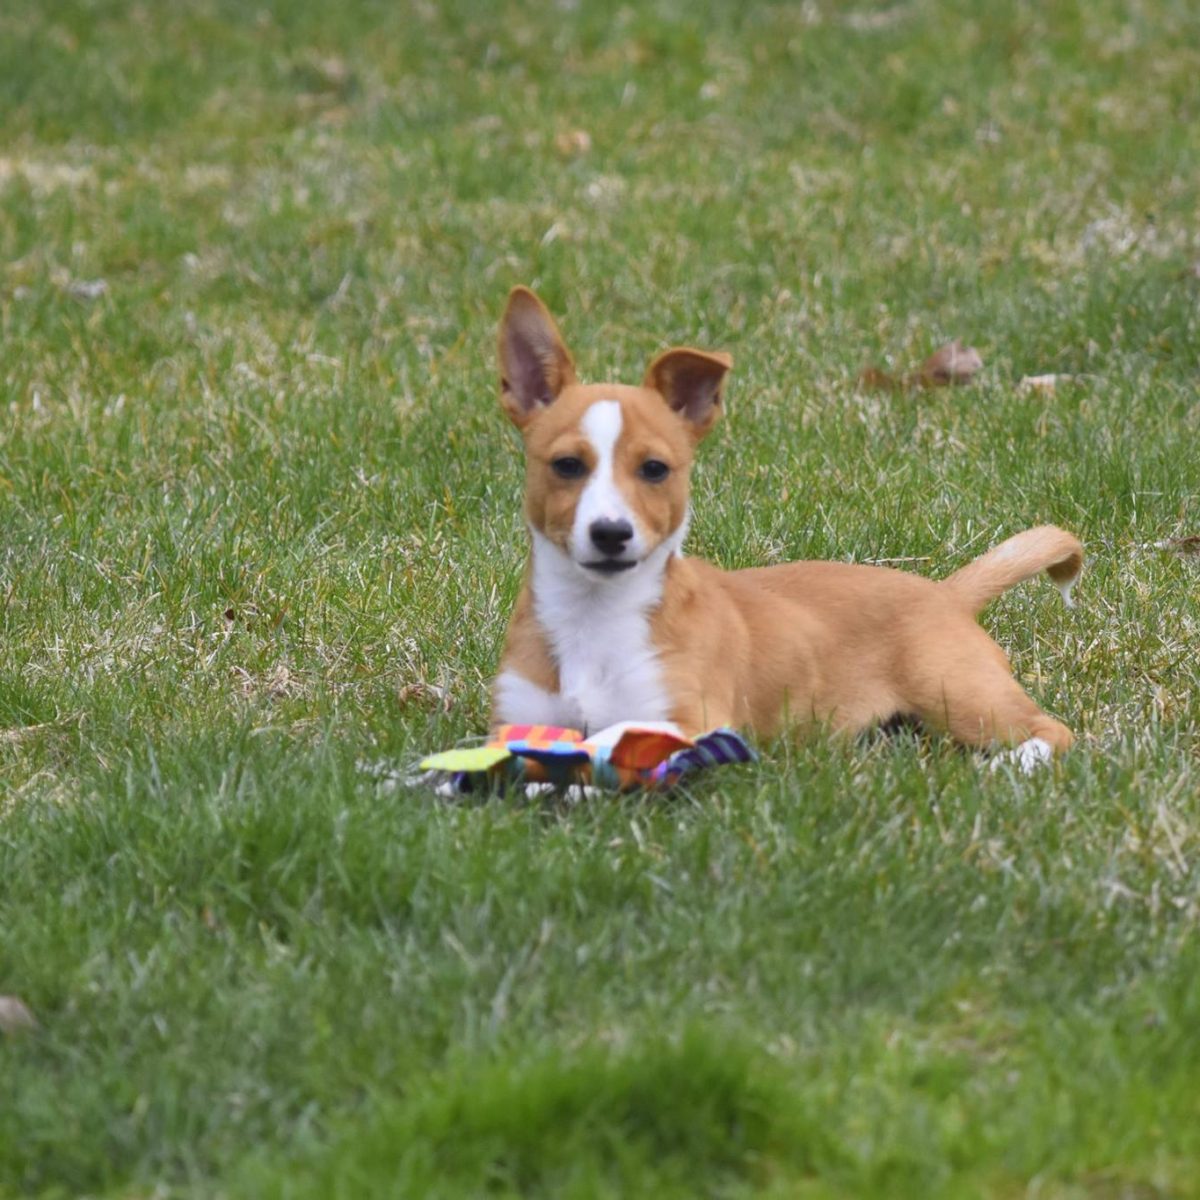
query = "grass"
{"x": 260, "y": 535}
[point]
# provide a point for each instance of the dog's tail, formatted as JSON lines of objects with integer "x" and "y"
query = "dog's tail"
{"x": 1046, "y": 548}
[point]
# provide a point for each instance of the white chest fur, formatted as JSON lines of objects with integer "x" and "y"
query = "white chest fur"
{"x": 599, "y": 635}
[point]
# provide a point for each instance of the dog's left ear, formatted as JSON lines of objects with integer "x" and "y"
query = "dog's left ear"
{"x": 690, "y": 382}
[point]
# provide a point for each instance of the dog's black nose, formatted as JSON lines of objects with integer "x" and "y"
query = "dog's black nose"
{"x": 609, "y": 537}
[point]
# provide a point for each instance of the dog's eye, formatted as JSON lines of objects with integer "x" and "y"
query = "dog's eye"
{"x": 568, "y": 467}
{"x": 654, "y": 471}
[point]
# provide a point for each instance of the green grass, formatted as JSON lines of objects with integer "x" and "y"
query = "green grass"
{"x": 260, "y": 533}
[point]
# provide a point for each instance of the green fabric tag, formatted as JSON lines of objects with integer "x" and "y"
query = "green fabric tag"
{"x": 469, "y": 758}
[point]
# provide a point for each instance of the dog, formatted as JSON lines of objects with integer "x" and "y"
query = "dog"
{"x": 614, "y": 624}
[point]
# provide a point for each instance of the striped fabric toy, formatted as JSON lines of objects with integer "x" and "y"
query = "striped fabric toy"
{"x": 621, "y": 758}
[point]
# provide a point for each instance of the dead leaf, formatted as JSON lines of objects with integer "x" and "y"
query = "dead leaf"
{"x": 1187, "y": 546}
{"x": 277, "y": 684}
{"x": 875, "y": 379}
{"x": 426, "y": 695}
{"x": 333, "y": 70}
{"x": 15, "y": 1017}
{"x": 88, "y": 289}
{"x": 572, "y": 142}
{"x": 322, "y": 74}
{"x": 871, "y": 20}
{"x": 952, "y": 363}
{"x": 1041, "y": 383}
{"x": 1048, "y": 384}
{"x": 245, "y": 614}
{"x": 16, "y": 734}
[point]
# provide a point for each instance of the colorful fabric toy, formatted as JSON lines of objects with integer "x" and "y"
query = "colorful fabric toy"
{"x": 620, "y": 758}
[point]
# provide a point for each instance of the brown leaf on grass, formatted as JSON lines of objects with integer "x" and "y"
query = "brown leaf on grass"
{"x": 15, "y": 1017}
{"x": 571, "y": 142}
{"x": 425, "y": 695}
{"x": 875, "y": 379}
{"x": 1187, "y": 546}
{"x": 950, "y": 365}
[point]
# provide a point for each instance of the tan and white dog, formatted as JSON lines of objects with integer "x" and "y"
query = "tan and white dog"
{"x": 615, "y": 624}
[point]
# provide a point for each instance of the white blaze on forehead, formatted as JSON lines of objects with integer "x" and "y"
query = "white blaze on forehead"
{"x": 601, "y": 499}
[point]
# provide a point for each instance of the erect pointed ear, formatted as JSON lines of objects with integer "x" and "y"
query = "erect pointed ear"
{"x": 535, "y": 364}
{"x": 690, "y": 382}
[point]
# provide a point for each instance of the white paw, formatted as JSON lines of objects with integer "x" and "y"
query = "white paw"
{"x": 1027, "y": 757}
{"x": 574, "y": 791}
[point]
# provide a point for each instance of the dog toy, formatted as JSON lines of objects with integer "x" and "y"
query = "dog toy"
{"x": 621, "y": 758}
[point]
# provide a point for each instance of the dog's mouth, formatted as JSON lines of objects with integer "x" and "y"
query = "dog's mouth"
{"x": 611, "y": 566}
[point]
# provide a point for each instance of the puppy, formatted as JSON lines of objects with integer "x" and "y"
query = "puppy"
{"x": 614, "y": 624}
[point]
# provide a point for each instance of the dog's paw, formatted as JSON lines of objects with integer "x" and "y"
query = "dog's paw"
{"x": 1027, "y": 757}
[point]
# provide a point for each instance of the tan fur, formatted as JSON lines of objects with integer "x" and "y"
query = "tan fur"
{"x": 526, "y": 644}
{"x": 1046, "y": 548}
{"x": 809, "y": 642}
{"x": 846, "y": 646}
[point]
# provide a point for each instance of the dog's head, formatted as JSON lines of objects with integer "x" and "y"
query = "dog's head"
{"x": 607, "y": 465}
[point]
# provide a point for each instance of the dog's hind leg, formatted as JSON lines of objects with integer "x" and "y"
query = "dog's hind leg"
{"x": 974, "y": 698}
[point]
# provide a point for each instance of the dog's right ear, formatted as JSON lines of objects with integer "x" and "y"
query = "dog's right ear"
{"x": 535, "y": 364}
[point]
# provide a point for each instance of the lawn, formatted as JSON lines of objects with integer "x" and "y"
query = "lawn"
{"x": 260, "y": 533}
